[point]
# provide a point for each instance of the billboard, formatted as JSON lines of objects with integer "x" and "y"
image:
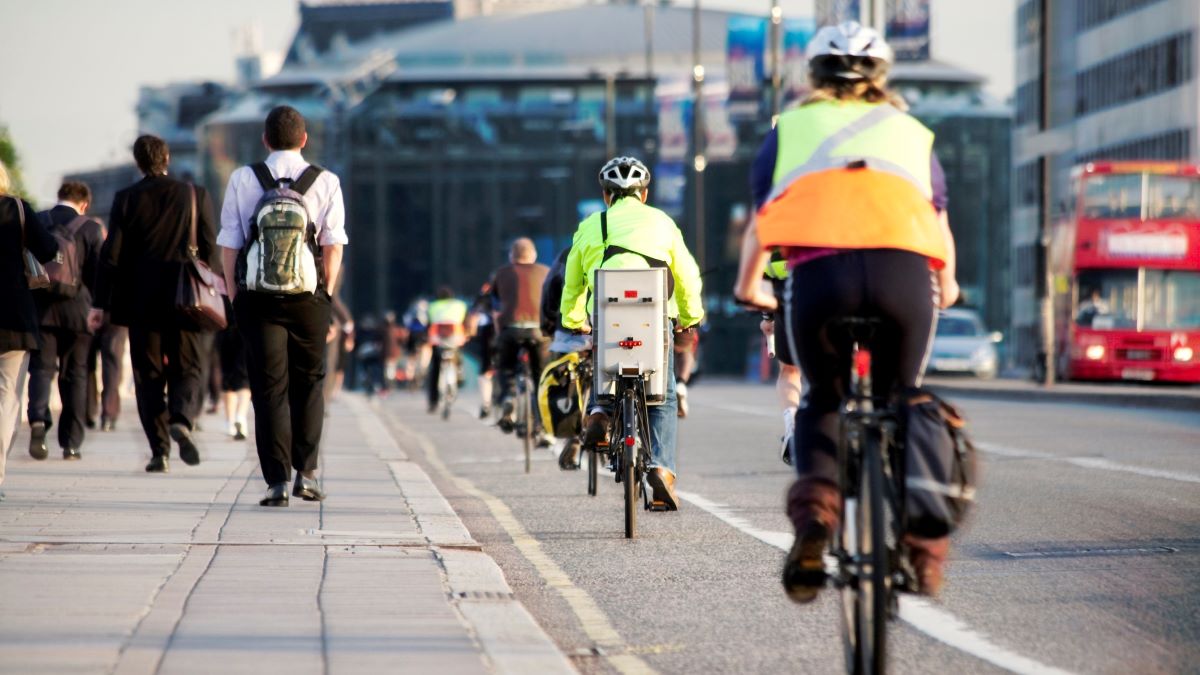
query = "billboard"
{"x": 908, "y": 29}
{"x": 830, "y": 12}
{"x": 796, "y": 34}
{"x": 747, "y": 45}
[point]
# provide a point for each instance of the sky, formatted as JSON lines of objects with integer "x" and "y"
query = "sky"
{"x": 70, "y": 103}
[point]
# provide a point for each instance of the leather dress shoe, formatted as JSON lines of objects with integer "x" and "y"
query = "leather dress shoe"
{"x": 37, "y": 441}
{"x": 71, "y": 453}
{"x": 662, "y": 484}
{"x": 307, "y": 489}
{"x": 277, "y": 495}
{"x": 187, "y": 448}
{"x": 159, "y": 464}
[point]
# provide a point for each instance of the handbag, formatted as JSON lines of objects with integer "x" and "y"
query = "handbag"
{"x": 35, "y": 272}
{"x": 200, "y": 294}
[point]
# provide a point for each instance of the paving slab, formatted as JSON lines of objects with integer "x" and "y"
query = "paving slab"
{"x": 105, "y": 568}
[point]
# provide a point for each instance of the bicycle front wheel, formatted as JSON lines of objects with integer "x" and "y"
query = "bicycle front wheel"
{"x": 873, "y": 588}
{"x": 593, "y": 471}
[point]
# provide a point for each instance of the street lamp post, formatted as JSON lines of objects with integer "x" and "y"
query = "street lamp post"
{"x": 699, "y": 162}
{"x": 776, "y": 59}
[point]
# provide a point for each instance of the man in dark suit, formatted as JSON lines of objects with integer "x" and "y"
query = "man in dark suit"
{"x": 65, "y": 338}
{"x": 136, "y": 284}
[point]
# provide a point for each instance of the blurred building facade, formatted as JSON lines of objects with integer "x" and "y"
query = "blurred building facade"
{"x": 1096, "y": 80}
{"x": 452, "y": 136}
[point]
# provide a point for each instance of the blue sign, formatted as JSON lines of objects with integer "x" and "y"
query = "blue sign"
{"x": 747, "y": 44}
{"x": 832, "y": 12}
{"x": 587, "y": 207}
{"x": 908, "y": 29}
{"x": 796, "y": 34}
{"x": 670, "y": 187}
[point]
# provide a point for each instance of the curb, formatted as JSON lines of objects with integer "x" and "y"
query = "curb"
{"x": 1121, "y": 399}
{"x": 503, "y": 628}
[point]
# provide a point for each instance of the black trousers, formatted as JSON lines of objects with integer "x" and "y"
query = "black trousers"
{"x": 432, "y": 393}
{"x": 895, "y": 286}
{"x": 167, "y": 372}
{"x": 65, "y": 352}
{"x": 508, "y": 346}
{"x": 285, "y": 359}
{"x": 108, "y": 348}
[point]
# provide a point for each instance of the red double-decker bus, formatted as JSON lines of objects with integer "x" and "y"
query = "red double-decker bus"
{"x": 1126, "y": 273}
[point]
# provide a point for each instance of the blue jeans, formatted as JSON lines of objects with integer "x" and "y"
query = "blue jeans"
{"x": 664, "y": 421}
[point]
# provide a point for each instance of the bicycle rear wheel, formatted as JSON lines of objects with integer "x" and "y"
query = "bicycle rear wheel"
{"x": 871, "y": 592}
{"x": 449, "y": 377}
{"x": 525, "y": 418}
{"x": 593, "y": 471}
{"x": 629, "y": 463}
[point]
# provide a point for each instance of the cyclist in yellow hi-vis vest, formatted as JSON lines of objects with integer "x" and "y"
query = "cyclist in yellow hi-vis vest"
{"x": 447, "y": 330}
{"x": 855, "y": 198}
{"x": 631, "y": 234}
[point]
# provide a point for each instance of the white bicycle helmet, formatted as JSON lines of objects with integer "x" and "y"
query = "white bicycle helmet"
{"x": 848, "y": 51}
{"x": 621, "y": 174}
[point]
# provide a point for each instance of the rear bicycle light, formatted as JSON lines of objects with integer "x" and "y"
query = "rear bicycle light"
{"x": 862, "y": 362}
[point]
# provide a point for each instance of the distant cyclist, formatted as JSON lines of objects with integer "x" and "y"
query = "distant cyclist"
{"x": 638, "y": 236}
{"x": 447, "y": 330}
{"x": 517, "y": 292}
{"x": 484, "y": 340}
{"x": 850, "y": 188}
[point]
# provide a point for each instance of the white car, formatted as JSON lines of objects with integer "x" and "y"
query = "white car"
{"x": 963, "y": 345}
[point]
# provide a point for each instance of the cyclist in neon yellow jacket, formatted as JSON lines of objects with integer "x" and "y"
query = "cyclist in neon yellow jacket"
{"x": 447, "y": 330}
{"x": 632, "y": 234}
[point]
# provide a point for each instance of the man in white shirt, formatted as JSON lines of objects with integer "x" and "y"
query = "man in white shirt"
{"x": 285, "y": 330}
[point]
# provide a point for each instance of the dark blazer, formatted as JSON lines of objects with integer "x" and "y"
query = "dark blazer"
{"x": 18, "y": 314}
{"x": 146, "y": 246}
{"x": 71, "y": 313}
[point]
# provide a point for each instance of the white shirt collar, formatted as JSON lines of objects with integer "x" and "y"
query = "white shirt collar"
{"x": 70, "y": 206}
{"x": 286, "y": 155}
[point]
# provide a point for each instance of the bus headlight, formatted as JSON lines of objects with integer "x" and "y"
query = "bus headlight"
{"x": 1184, "y": 353}
{"x": 1094, "y": 352}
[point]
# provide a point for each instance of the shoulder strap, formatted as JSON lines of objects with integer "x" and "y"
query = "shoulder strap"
{"x": 72, "y": 228}
{"x": 306, "y": 179}
{"x": 21, "y": 217}
{"x": 193, "y": 249}
{"x": 263, "y": 174}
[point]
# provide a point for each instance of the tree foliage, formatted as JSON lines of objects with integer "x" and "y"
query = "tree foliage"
{"x": 12, "y": 162}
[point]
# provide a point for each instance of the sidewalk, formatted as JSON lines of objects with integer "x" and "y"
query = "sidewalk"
{"x": 1158, "y": 396}
{"x": 105, "y": 568}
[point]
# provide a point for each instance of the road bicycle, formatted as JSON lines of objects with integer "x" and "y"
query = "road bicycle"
{"x": 627, "y": 449}
{"x": 524, "y": 415}
{"x": 448, "y": 380}
{"x": 872, "y": 563}
{"x": 522, "y": 420}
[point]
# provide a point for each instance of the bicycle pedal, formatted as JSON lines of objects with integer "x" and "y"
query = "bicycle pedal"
{"x": 658, "y": 506}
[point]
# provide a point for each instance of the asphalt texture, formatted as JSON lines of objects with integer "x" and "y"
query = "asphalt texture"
{"x": 1083, "y": 554}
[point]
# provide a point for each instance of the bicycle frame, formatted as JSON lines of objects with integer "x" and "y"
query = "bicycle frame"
{"x": 872, "y": 565}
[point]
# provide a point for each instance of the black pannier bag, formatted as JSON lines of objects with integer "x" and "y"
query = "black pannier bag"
{"x": 941, "y": 465}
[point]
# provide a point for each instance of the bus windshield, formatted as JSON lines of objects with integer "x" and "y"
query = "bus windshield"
{"x": 1141, "y": 196}
{"x": 1173, "y": 196}
{"x": 1110, "y": 299}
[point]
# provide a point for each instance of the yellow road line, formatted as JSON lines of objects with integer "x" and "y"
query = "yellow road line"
{"x": 593, "y": 620}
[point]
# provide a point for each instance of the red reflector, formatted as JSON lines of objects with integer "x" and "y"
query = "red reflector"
{"x": 629, "y": 440}
{"x": 862, "y": 362}
{"x": 629, "y": 344}
{"x": 631, "y": 294}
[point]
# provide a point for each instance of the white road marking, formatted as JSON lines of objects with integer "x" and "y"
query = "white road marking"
{"x": 593, "y": 620}
{"x": 1098, "y": 463}
{"x": 1089, "y": 463}
{"x": 921, "y": 614}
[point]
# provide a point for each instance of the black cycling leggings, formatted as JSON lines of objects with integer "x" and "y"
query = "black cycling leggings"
{"x": 895, "y": 286}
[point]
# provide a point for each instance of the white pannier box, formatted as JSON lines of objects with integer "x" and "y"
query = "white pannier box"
{"x": 631, "y": 327}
